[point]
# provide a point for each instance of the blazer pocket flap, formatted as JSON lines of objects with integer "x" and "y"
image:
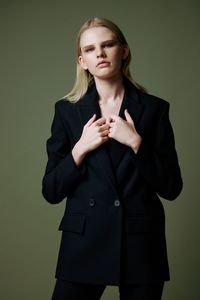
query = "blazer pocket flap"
{"x": 73, "y": 223}
{"x": 144, "y": 225}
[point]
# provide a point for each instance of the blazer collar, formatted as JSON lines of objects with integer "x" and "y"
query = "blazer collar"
{"x": 89, "y": 103}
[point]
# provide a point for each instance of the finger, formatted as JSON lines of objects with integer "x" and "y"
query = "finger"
{"x": 110, "y": 135}
{"x": 128, "y": 117}
{"x": 108, "y": 120}
{"x": 114, "y": 117}
{"x": 104, "y": 127}
{"x": 91, "y": 120}
{"x": 105, "y": 132}
{"x": 105, "y": 139}
{"x": 112, "y": 124}
{"x": 100, "y": 121}
{"x": 110, "y": 130}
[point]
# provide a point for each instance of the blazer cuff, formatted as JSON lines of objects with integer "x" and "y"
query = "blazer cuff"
{"x": 71, "y": 167}
{"x": 58, "y": 183}
{"x": 143, "y": 158}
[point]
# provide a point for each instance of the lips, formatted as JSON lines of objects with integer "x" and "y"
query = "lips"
{"x": 102, "y": 63}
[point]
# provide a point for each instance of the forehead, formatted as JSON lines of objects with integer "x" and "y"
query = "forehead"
{"x": 96, "y": 35}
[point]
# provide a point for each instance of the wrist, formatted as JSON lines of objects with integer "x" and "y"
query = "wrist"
{"x": 79, "y": 149}
{"x": 135, "y": 143}
{"x": 78, "y": 153}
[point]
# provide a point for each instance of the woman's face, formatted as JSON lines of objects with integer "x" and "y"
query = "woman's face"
{"x": 101, "y": 53}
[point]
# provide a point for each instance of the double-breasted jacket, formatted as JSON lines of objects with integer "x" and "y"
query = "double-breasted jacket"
{"x": 113, "y": 227}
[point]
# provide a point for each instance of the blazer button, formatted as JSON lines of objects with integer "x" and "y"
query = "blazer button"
{"x": 92, "y": 202}
{"x": 117, "y": 203}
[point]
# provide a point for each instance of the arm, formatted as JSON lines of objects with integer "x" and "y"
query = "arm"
{"x": 65, "y": 166}
{"x": 158, "y": 163}
{"x": 64, "y": 169}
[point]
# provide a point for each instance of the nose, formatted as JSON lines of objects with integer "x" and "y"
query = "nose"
{"x": 100, "y": 53}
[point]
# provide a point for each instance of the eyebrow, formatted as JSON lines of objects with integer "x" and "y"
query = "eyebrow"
{"x": 104, "y": 42}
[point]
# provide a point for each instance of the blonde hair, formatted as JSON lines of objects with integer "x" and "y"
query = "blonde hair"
{"x": 83, "y": 77}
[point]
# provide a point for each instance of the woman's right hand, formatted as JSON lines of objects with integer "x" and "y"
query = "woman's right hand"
{"x": 93, "y": 135}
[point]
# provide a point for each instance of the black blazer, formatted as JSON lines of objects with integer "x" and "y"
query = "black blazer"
{"x": 113, "y": 228}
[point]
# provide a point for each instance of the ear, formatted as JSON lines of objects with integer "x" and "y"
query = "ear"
{"x": 125, "y": 51}
{"x": 82, "y": 63}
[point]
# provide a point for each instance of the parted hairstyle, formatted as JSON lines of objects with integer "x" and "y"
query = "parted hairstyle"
{"x": 83, "y": 77}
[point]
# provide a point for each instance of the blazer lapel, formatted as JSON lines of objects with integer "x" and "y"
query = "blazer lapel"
{"x": 88, "y": 106}
{"x": 132, "y": 103}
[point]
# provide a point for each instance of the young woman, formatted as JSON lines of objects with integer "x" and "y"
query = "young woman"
{"x": 112, "y": 154}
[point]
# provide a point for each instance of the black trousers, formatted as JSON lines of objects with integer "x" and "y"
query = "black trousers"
{"x": 65, "y": 290}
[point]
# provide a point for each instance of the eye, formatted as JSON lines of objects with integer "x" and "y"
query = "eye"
{"x": 89, "y": 49}
{"x": 110, "y": 44}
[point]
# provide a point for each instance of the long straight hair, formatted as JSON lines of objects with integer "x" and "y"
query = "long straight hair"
{"x": 83, "y": 77}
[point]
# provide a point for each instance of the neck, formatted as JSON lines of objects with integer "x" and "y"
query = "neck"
{"x": 109, "y": 90}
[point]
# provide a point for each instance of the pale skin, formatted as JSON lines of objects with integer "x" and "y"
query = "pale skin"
{"x": 102, "y": 55}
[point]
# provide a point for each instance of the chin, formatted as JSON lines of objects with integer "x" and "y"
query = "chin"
{"x": 107, "y": 75}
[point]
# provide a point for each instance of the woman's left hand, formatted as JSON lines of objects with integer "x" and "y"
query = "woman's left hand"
{"x": 124, "y": 131}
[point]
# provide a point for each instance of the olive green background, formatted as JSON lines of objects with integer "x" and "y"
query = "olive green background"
{"x": 37, "y": 56}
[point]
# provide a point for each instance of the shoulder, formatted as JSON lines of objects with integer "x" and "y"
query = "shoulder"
{"x": 150, "y": 99}
{"x": 154, "y": 104}
{"x": 145, "y": 98}
{"x": 63, "y": 105}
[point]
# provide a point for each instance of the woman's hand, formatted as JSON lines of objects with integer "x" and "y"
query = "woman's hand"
{"x": 124, "y": 131}
{"x": 94, "y": 134}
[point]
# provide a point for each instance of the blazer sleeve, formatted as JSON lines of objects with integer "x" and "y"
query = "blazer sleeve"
{"x": 158, "y": 162}
{"x": 61, "y": 173}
